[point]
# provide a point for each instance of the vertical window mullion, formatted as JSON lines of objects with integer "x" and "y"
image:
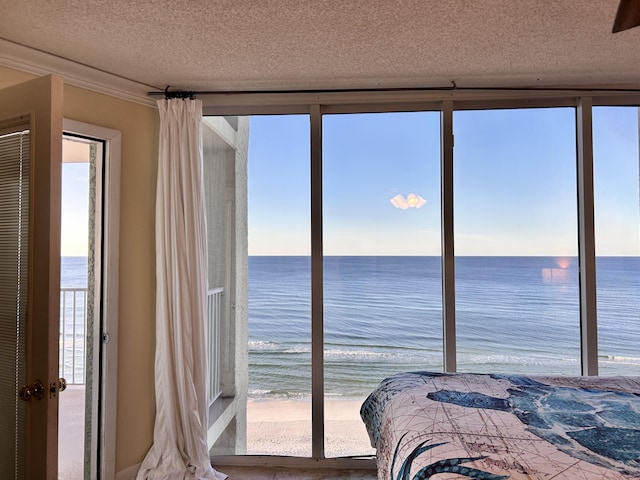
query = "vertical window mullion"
{"x": 448, "y": 259}
{"x": 586, "y": 241}
{"x": 317, "y": 288}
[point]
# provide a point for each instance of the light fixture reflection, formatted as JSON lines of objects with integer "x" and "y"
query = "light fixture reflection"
{"x": 412, "y": 201}
{"x": 557, "y": 275}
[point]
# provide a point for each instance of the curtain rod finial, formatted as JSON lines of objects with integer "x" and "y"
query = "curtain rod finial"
{"x": 183, "y": 94}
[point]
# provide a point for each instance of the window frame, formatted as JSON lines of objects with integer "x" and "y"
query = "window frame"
{"x": 446, "y": 101}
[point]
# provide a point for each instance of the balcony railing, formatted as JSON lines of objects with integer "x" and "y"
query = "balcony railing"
{"x": 73, "y": 338}
{"x": 214, "y": 319}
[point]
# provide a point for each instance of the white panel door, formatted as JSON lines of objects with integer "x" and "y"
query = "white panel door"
{"x": 30, "y": 167}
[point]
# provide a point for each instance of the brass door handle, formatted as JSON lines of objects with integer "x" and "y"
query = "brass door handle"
{"x": 59, "y": 385}
{"x": 35, "y": 390}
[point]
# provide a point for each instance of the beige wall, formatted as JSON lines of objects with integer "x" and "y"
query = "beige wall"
{"x": 136, "y": 336}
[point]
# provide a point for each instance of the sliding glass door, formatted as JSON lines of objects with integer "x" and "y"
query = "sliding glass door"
{"x": 382, "y": 264}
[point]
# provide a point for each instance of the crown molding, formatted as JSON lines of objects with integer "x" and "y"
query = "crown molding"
{"x": 36, "y": 62}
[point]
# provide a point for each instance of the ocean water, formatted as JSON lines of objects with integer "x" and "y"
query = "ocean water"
{"x": 73, "y": 272}
{"x": 383, "y": 315}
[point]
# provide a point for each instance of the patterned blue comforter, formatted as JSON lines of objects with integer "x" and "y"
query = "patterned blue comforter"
{"x": 505, "y": 426}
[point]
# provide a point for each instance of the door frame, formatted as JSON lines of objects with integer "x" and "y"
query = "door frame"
{"x": 108, "y": 189}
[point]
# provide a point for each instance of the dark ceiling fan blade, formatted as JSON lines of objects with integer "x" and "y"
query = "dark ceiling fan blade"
{"x": 628, "y": 15}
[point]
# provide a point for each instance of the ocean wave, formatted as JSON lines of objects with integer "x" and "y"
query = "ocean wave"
{"x": 623, "y": 359}
{"x": 258, "y": 346}
{"x": 337, "y": 353}
{"x": 332, "y": 354}
{"x": 494, "y": 359}
{"x": 265, "y": 394}
{"x": 299, "y": 349}
{"x": 260, "y": 394}
{"x": 262, "y": 345}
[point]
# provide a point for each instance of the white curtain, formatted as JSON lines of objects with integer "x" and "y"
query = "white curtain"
{"x": 179, "y": 449}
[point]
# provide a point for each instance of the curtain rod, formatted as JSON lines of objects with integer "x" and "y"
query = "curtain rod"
{"x": 192, "y": 94}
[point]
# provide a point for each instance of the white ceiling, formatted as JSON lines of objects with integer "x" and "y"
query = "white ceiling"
{"x": 238, "y": 45}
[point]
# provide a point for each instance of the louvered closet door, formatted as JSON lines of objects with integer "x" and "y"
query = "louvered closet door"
{"x": 14, "y": 229}
{"x": 30, "y": 165}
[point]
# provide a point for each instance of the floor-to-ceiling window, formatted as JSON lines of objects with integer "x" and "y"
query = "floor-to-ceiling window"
{"x": 516, "y": 290}
{"x": 517, "y": 298}
{"x": 381, "y": 243}
{"x": 617, "y": 235}
{"x": 279, "y": 396}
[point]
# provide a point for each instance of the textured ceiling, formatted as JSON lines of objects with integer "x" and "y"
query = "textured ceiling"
{"x": 331, "y": 44}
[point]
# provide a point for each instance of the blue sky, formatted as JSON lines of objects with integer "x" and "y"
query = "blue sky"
{"x": 615, "y": 144}
{"x": 75, "y": 198}
{"x": 515, "y": 183}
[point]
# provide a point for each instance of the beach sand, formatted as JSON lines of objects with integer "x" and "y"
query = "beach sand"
{"x": 283, "y": 427}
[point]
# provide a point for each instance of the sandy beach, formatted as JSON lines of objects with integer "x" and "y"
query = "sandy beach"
{"x": 283, "y": 427}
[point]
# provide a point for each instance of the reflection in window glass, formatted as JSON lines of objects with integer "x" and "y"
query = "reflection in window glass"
{"x": 382, "y": 267}
{"x": 279, "y": 404}
{"x": 617, "y": 221}
{"x": 517, "y": 293}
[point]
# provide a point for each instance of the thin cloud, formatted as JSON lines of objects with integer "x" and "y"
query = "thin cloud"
{"x": 412, "y": 201}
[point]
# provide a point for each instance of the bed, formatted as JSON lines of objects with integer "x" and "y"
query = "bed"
{"x": 493, "y": 427}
